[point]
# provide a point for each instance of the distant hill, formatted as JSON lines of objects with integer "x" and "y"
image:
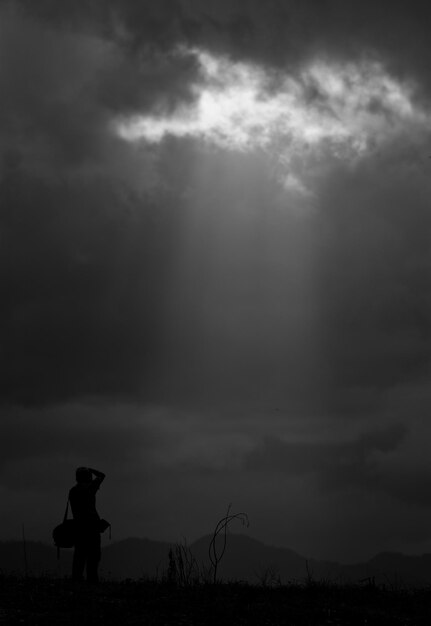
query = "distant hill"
{"x": 135, "y": 558}
{"x": 245, "y": 559}
{"x": 41, "y": 558}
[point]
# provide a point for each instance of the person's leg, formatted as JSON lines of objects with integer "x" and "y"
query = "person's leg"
{"x": 79, "y": 558}
{"x": 93, "y": 558}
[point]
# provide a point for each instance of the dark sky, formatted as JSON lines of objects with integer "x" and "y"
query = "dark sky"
{"x": 215, "y": 223}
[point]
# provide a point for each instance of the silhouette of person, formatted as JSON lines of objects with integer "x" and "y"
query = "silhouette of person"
{"x": 82, "y": 499}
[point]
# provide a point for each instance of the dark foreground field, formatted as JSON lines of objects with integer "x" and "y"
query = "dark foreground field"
{"x": 56, "y": 602}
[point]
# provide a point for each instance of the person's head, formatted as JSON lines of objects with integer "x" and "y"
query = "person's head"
{"x": 83, "y": 475}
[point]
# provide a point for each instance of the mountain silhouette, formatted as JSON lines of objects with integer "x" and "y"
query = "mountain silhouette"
{"x": 245, "y": 559}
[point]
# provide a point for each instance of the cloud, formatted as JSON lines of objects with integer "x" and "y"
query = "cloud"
{"x": 86, "y": 241}
{"x": 386, "y": 462}
{"x": 45, "y": 117}
{"x": 172, "y": 312}
{"x": 327, "y": 112}
{"x": 78, "y": 269}
{"x": 132, "y": 271}
{"x": 278, "y": 34}
{"x": 122, "y": 439}
{"x": 297, "y": 457}
{"x": 156, "y": 81}
{"x": 63, "y": 92}
{"x": 374, "y": 264}
{"x": 340, "y": 465}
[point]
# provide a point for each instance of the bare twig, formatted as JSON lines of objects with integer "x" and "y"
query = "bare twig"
{"x": 221, "y": 527}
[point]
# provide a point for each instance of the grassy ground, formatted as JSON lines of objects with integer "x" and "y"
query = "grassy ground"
{"x": 56, "y": 602}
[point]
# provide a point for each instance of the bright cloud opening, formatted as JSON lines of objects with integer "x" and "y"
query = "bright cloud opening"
{"x": 329, "y": 110}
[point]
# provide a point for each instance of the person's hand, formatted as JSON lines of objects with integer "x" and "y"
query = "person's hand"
{"x": 97, "y": 473}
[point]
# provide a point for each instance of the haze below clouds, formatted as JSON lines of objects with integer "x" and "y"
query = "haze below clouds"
{"x": 217, "y": 302}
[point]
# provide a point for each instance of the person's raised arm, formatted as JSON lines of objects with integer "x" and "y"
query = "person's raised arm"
{"x": 99, "y": 475}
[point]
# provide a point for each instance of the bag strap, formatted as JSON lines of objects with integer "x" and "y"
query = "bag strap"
{"x": 66, "y": 511}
